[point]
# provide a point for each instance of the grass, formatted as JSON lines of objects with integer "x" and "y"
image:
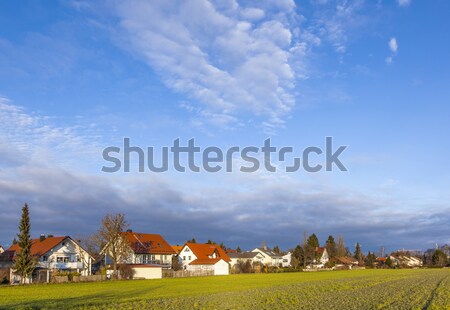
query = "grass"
{"x": 369, "y": 289}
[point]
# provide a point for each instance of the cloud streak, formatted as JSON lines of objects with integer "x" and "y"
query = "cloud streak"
{"x": 230, "y": 60}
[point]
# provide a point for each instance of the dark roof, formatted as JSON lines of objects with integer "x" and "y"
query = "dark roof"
{"x": 269, "y": 252}
{"x": 243, "y": 255}
{"x": 347, "y": 260}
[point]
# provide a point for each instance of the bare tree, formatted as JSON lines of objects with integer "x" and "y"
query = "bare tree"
{"x": 305, "y": 247}
{"x": 110, "y": 237}
{"x": 341, "y": 250}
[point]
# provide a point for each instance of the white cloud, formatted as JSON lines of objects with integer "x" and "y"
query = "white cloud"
{"x": 334, "y": 22}
{"x": 393, "y": 45}
{"x": 34, "y": 137}
{"x": 404, "y": 3}
{"x": 216, "y": 56}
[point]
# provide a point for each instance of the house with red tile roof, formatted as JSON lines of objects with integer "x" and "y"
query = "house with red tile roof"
{"x": 205, "y": 257}
{"x": 54, "y": 253}
{"x": 148, "y": 249}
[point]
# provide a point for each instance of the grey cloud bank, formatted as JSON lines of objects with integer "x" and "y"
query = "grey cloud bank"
{"x": 62, "y": 202}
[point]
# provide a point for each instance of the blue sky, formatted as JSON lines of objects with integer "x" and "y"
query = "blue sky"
{"x": 76, "y": 77}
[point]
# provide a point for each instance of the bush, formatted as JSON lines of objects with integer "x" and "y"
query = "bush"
{"x": 244, "y": 267}
{"x": 126, "y": 272}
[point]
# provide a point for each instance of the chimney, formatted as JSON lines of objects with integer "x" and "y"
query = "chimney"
{"x": 42, "y": 237}
{"x": 129, "y": 230}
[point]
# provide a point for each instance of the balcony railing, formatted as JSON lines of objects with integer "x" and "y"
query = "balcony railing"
{"x": 162, "y": 263}
{"x": 61, "y": 265}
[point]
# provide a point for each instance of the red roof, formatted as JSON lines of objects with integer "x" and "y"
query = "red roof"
{"x": 177, "y": 248}
{"x": 38, "y": 247}
{"x": 148, "y": 243}
{"x": 203, "y": 251}
{"x": 207, "y": 261}
{"x": 320, "y": 250}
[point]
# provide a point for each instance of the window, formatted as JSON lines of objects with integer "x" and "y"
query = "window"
{"x": 184, "y": 257}
{"x": 62, "y": 259}
{"x": 189, "y": 257}
{"x": 44, "y": 258}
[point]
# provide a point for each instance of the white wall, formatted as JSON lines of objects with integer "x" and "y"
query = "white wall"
{"x": 221, "y": 268}
{"x": 187, "y": 256}
{"x": 147, "y": 272}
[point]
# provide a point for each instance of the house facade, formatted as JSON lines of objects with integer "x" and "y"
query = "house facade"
{"x": 270, "y": 257}
{"x": 287, "y": 260}
{"x": 205, "y": 257}
{"x": 148, "y": 249}
{"x": 253, "y": 257}
{"x": 53, "y": 254}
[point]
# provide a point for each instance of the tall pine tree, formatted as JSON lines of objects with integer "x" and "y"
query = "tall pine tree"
{"x": 358, "y": 253}
{"x": 23, "y": 261}
{"x": 331, "y": 247}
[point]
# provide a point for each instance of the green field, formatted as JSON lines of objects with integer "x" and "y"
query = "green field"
{"x": 364, "y": 289}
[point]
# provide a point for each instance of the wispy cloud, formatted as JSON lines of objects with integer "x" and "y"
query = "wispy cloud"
{"x": 234, "y": 62}
{"x": 404, "y": 3}
{"x": 334, "y": 21}
{"x": 34, "y": 137}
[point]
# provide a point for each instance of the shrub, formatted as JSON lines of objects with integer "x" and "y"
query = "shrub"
{"x": 126, "y": 272}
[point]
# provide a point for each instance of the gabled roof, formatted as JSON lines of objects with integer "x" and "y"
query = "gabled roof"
{"x": 38, "y": 247}
{"x": 177, "y": 248}
{"x": 320, "y": 250}
{"x": 269, "y": 252}
{"x": 347, "y": 260}
{"x": 148, "y": 243}
{"x": 203, "y": 251}
{"x": 243, "y": 255}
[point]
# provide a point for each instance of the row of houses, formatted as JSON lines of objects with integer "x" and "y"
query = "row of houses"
{"x": 149, "y": 255}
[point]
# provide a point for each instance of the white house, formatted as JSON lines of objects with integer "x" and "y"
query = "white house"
{"x": 148, "y": 254}
{"x": 287, "y": 260}
{"x": 205, "y": 257}
{"x": 270, "y": 257}
{"x": 321, "y": 258}
{"x": 148, "y": 249}
{"x": 1, "y": 249}
{"x": 54, "y": 253}
{"x": 405, "y": 260}
{"x": 253, "y": 257}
